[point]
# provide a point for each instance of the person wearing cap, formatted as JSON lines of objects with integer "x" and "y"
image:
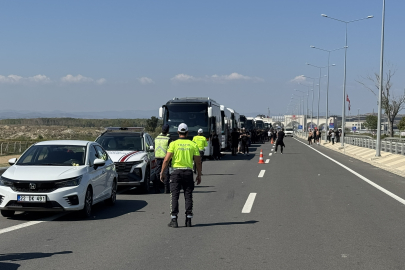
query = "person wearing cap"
{"x": 201, "y": 141}
{"x": 182, "y": 152}
{"x": 162, "y": 142}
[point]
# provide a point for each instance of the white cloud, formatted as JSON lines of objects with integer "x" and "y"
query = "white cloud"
{"x": 183, "y": 78}
{"x": 81, "y": 79}
{"x": 39, "y": 79}
{"x": 14, "y": 79}
{"x": 216, "y": 78}
{"x": 299, "y": 79}
{"x": 145, "y": 80}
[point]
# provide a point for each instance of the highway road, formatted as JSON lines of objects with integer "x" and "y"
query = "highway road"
{"x": 310, "y": 208}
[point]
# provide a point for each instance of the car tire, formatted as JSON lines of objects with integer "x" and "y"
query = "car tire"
{"x": 7, "y": 213}
{"x": 88, "y": 204}
{"x": 113, "y": 198}
{"x": 146, "y": 183}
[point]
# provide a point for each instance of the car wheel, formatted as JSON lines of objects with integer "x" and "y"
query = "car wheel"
{"x": 7, "y": 213}
{"x": 113, "y": 198}
{"x": 146, "y": 182}
{"x": 88, "y": 204}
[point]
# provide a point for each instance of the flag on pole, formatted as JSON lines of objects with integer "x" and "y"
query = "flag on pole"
{"x": 348, "y": 100}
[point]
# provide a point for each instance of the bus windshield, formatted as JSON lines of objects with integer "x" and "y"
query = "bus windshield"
{"x": 249, "y": 124}
{"x": 195, "y": 116}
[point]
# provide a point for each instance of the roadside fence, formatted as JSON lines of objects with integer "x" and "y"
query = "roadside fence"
{"x": 7, "y": 148}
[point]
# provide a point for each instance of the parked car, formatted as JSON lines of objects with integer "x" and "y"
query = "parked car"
{"x": 66, "y": 175}
{"x": 132, "y": 150}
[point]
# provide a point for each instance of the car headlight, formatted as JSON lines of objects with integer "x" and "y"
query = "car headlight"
{"x": 5, "y": 182}
{"x": 71, "y": 182}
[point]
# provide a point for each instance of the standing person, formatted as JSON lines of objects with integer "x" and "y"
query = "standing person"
{"x": 269, "y": 135}
{"x": 310, "y": 137}
{"x": 337, "y": 135}
{"x": 280, "y": 138}
{"x": 332, "y": 135}
{"x": 201, "y": 142}
{"x": 318, "y": 136}
{"x": 274, "y": 136}
{"x": 245, "y": 141}
{"x": 162, "y": 142}
{"x": 235, "y": 140}
{"x": 216, "y": 145}
{"x": 183, "y": 152}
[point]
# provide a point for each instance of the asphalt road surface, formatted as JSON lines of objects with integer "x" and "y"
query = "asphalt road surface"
{"x": 310, "y": 208}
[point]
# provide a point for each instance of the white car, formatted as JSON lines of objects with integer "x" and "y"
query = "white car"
{"x": 289, "y": 132}
{"x": 132, "y": 151}
{"x": 64, "y": 175}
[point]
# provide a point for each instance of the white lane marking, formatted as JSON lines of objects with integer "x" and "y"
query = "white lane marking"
{"x": 261, "y": 174}
{"x": 272, "y": 149}
{"x": 270, "y": 154}
{"x": 30, "y": 223}
{"x": 249, "y": 203}
{"x": 392, "y": 195}
{"x": 267, "y": 160}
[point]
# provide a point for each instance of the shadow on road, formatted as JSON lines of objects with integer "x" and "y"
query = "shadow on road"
{"x": 103, "y": 211}
{"x": 226, "y": 223}
{"x": 208, "y": 191}
{"x": 15, "y": 257}
{"x": 217, "y": 174}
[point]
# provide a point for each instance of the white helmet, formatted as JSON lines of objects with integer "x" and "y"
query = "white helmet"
{"x": 200, "y": 131}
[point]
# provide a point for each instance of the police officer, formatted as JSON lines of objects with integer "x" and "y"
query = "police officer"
{"x": 182, "y": 152}
{"x": 162, "y": 142}
{"x": 201, "y": 142}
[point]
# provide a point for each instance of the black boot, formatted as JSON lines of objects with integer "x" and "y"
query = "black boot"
{"x": 157, "y": 189}
{"x": 173, "y": 223}
{"x": 188, "y": 222}
{"x": 167, "y": 189}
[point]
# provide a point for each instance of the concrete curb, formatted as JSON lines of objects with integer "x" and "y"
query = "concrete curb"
{"x": 393, "y": 163}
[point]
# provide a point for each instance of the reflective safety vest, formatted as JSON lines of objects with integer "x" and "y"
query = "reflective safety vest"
{"x": 161, "y": 145}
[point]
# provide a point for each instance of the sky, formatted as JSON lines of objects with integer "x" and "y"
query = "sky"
{"x": 247, "y": 55}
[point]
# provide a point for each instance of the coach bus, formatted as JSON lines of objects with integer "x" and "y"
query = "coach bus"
{"x": 197, "y": 113}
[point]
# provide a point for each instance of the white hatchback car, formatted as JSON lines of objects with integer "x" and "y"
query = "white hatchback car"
{"x": 66, "y": 175}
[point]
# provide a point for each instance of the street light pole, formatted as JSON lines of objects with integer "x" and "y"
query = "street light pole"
{"x": 327, "y": 87}
{"x": 344, "y": 78}
{"x": 378, "y": 146}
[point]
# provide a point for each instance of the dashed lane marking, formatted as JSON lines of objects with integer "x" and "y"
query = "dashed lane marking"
{"x": 267, "y": 161}
{"x": 30, "y": 223}
{"x": 249, "y": 203}
{"x": 272, "y": 149}
{"x": 261, "y": 174}
{"x": 392, "y": 195}
{"x": 270, "y": 154}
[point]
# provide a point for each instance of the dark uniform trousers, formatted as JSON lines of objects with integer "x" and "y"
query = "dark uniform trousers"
{"x": 181, "y": 179}
{"x": 159, "y": 163}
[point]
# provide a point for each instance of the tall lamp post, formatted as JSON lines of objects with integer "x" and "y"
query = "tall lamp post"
{"x": 344, "y": 77}
{"x": 313, "y": 89}
{"x": 306, "y": 112}
{"x": 303, "y": 106}
{"x": 378, "y": 146}
{"x": 327, "y": 87}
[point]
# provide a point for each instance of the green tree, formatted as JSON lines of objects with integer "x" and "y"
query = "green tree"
{"x": 401, "y": 124}
{"x": 371, "y": 122}
{"x": 151, "y": 124}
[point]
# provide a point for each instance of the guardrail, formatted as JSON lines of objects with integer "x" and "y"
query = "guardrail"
{"x": 386, "y": 145}
{"x": 7, "y": 148}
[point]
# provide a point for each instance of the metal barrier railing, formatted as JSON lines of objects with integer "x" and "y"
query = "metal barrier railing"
{"x": 7, "y": 148}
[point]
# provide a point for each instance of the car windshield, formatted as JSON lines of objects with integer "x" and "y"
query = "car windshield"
{"x": 289, "y": 129}
{"x": 121, "y": 142}
{"x": 194, "y": 115}
{"x": 54, "y": 155}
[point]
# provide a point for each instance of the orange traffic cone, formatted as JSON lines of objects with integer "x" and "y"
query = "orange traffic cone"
{"x": 261, "y": 161}
{"x": 271, "y": 140}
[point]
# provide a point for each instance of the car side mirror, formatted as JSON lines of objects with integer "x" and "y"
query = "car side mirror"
{"x": 99, "y": 162}
{"x": 12, "y": 161}
{"x": 151, "y": 149}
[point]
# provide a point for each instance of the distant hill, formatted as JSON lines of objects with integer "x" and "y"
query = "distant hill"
{"x": 128, "y": 114}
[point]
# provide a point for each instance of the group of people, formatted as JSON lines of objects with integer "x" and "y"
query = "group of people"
{"x": 332, "y": 136}
{"x": 240, "y": 141}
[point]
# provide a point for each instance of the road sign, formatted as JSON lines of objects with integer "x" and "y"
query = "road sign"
{"x": 299, "y": 126}
{"x": 354, "y": 128}
{"x": 332, "y": 125}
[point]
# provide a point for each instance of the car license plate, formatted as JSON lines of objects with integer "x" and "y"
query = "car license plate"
{"x": 31, "y": 198}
